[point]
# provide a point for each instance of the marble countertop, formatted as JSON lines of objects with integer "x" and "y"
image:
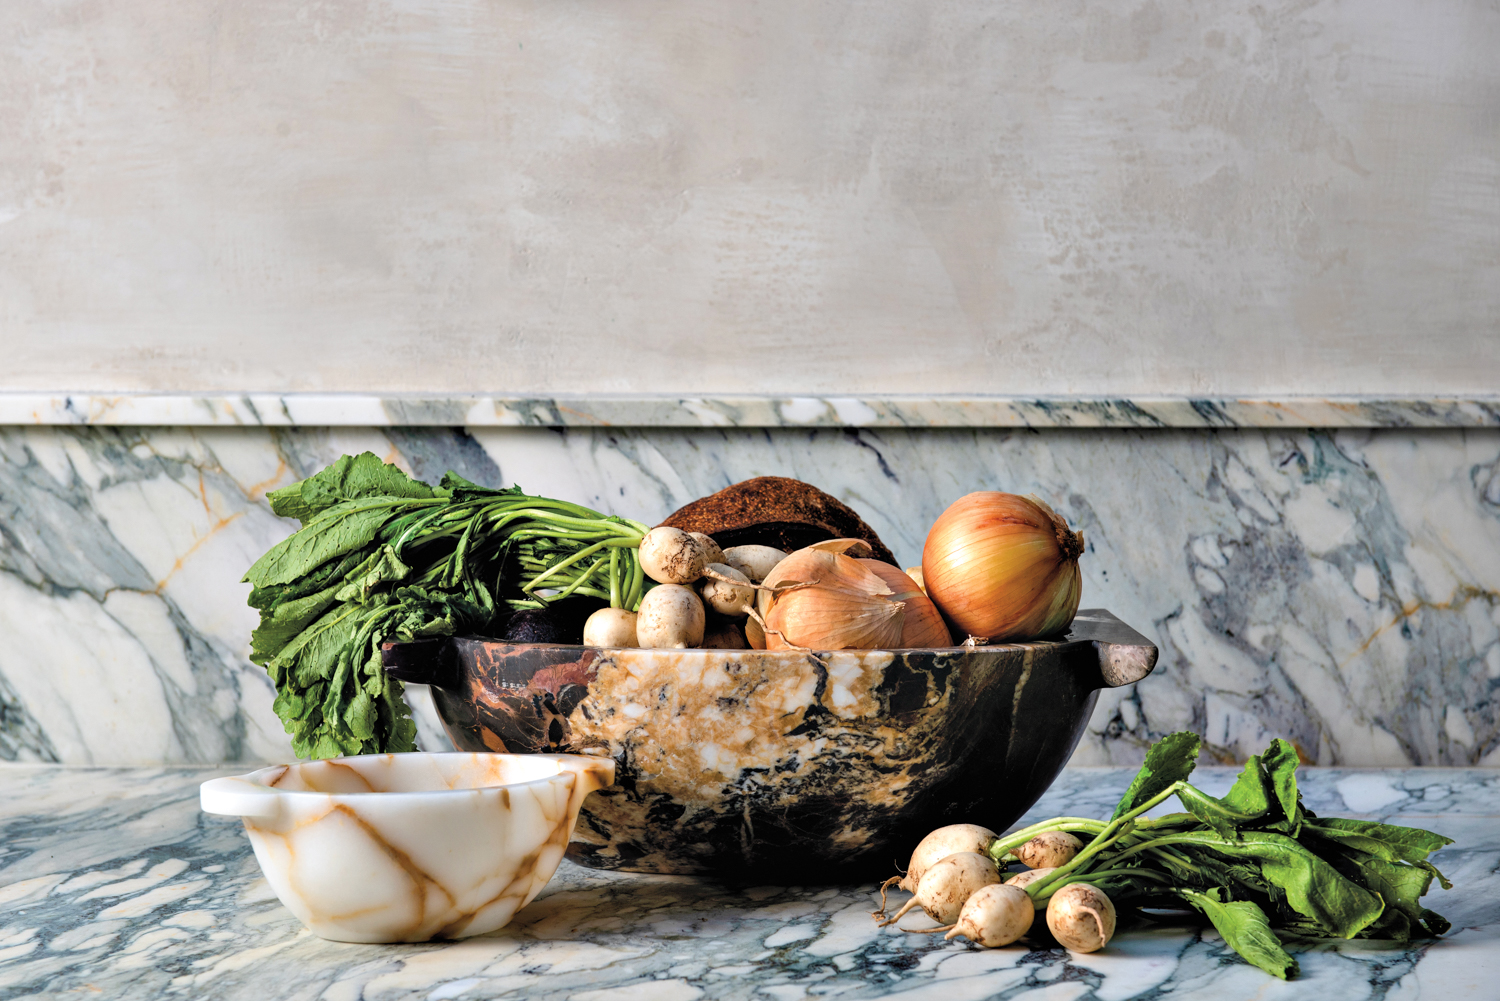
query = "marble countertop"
{"x": 113, "y": 884}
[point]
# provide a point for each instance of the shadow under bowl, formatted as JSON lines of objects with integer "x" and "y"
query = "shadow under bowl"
{"x": 785, "y": 766}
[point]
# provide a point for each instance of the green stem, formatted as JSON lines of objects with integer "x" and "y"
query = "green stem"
{"x": 1192, "y": 837}
{"x": 581, "y": 524}
{"x": 1121, "y": 828}
{"x": 578, "y": 582}
{"x": 614, "y": 577}
{"x": 536, "y": 582}
{"x": 1114, "y": 831}
{"x": 637, "y": 582}
{"x": 1122, "y": 874}
{"x": 1010, "y": 842}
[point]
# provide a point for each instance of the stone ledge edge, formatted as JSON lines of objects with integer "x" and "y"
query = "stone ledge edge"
{"x": 873, "y": 411}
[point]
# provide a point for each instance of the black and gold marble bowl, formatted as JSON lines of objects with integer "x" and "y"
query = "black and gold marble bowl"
{"x": 783, "y": 766}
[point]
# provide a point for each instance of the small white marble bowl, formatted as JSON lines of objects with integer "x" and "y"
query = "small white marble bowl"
{"x": 410, "y": 847}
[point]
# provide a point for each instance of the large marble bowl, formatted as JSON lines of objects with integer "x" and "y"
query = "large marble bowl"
{"x": 409, "y": 847}
{"x": 783, "y": 766}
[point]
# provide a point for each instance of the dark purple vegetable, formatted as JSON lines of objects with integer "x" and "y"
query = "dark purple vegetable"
{"x": 559, "y": 622}
{"x": 535, "y": 625}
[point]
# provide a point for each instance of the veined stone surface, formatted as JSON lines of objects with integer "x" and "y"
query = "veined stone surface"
{"x": 111, "y": 881}
{"x": 473, "y": 410}
{"x": 1339, "y": 588}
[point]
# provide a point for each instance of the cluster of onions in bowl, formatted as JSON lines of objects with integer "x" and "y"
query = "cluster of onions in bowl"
{"x": 995, "y": 567}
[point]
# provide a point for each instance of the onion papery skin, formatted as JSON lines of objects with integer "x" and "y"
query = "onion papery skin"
{"x": 924, "y": 627}
{"x": 846, "y": 607}
{"x": 1003, "y": 567}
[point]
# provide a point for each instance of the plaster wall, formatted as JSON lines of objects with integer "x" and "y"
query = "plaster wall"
{"x": 1105, "y": 198}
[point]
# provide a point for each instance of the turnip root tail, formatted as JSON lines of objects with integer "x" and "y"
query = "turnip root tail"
{"x": 883, "y": 887}
{"x": 1098, "y": 922}
{"x": 715, "y": 575}
{"x": 897, "y": 916}
{"x": 950, "y": 929}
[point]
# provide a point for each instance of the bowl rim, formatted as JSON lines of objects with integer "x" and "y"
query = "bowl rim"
{"x": 786, "y": 651}
{"x": 227, "y": 791}
{"x": 363, "y": 758}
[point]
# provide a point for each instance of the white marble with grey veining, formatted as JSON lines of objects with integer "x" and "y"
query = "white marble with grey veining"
{"x": 113, "y": 884}
{"x": 441, "y": 410}
{"x": 1340, "y": 588}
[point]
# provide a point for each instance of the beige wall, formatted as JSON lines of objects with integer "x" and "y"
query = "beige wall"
{"x": 805, "y": 195}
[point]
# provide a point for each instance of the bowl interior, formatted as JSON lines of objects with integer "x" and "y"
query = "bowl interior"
{"x": 419, "y": 772}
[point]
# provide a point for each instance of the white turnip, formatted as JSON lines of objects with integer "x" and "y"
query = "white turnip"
{"x": 711, "y": 551}
{"x": 937, "y": 845}
{"x": 671, "y": 556}
{"x": 610, "y": 627}
{"x": 728, "y": 593}
{"x": 671, "y": 618}
{"x": 1025, "y": 879}
{"x": 949, "y": 882}
{"x": 1081, "y": 917}
{"x": 753, "y": 561}
{"x": 995, "y": 915}
{"x": 1049, "y": 850}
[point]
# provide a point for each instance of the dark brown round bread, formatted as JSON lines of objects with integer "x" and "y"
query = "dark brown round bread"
{"x": 775, "y": 511}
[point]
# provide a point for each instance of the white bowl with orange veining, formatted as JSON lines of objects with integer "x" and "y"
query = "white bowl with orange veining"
{"x": 410, "y": 847}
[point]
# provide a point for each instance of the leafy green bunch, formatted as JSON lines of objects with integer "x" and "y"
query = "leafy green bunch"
{"x": 381, "y": 556}
{"x": 1258, "y": 864}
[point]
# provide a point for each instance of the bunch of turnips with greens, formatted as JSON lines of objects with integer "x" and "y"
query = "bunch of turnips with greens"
{"x": 769, "y": 563}
{"x": 1258, "y": 865}
{"x": 381, "y": 556}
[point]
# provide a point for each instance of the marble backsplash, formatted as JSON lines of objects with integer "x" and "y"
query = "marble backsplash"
{"x": 1340, "y": 588}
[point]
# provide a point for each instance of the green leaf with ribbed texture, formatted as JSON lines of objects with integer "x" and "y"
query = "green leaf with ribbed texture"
{"x": 1169, "y": 760}
{"x": 335, "y": 533}
{"x": 329, "y": 574}
{"x": 1313, "y": 888}
{"x": 348, "y": 478}
{"x": 1400, "y": 884}
{"x": 1223, "y": 818}
{"x": 380, "y": 568}
{"x": 1249, "y": 795}
{"x": 1245, "y": 929}
{"x": 1280, "y": 761}
{"x": 1388, "y": 841}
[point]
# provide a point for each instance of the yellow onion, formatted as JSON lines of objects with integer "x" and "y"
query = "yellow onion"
{"x": 924, "y": 625}
{"x": 839, "y": 605}
{"x": 858, "y": 548}
{"x": 1003, "y": 567}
